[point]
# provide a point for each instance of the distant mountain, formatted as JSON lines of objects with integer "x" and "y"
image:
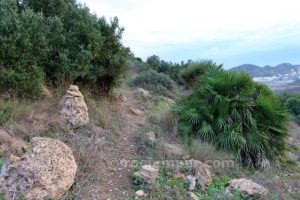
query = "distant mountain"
{"x": 257, "y": 71}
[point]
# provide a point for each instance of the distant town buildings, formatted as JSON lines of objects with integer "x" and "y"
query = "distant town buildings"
{"x": 280, "y": 79}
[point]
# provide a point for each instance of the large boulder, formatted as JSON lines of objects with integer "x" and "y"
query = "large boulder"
{"x": 247, "y": 187}
{"x": 74, "y": 109}
{"x": 47, "y": 170}
{"x": 147, "y": 174}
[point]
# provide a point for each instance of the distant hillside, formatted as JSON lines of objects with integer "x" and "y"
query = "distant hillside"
{"x": 257, "y": 71}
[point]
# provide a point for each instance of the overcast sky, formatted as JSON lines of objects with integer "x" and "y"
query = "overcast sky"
{"x": 231, "y": 32}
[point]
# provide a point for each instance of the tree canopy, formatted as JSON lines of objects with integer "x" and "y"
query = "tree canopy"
{"x": 54, "y": 41}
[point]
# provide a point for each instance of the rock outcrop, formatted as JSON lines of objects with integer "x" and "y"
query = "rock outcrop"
{"x": 147, "y": 174}
{"x": 74, "y": 109}
{"x": 247, "y": 187}
{"x": 47, "y": 170}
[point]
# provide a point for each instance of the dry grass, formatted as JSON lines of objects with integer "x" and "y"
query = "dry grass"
{"x": 42, "y": 118}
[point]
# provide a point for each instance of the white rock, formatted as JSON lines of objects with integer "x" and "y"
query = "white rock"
{"x": 144, "y": 93}
{"x": 150, "y": 136}
{"x": 192, "y": 182}
{"x": 139, "y": 193}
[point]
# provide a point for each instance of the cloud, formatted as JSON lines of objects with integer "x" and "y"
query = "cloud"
{"x": 228, "y": 28}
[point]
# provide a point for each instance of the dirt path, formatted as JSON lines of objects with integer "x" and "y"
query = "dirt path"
{"x": 115, "y": 182}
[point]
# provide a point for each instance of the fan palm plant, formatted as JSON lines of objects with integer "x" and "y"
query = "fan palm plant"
{"x": 235, "y": 114}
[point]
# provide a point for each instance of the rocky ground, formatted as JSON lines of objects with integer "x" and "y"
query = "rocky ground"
{"x": 116, "y": 135}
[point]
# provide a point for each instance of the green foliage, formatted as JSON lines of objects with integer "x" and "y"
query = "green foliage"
{"x": 158, "y": 83}
{"x": 23, "y": 43}
{"x": 292, "y": 102}
{"x": 153, "y": 62}
{"x": 49, "y": 42}
{"x": 190, "y": 74}
{"x": 234, "y": 113}
{"x": 162, "y": 66}
{"x": 5, "y": 115}
{"x": 217, "y": 189}
{"x": 1, "y": 164}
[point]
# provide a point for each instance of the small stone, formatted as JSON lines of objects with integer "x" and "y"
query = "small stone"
{"x": 150, "y": 136}
{"x": 192, "y": 182}
{"x": 180, "y": 176}
{"x": 136, "y": 111}
{"x": 191, "y": 196}
{"x": 140, "y": 193}
{"x": 143, "y": 93}
{"x": 186, "y": 157}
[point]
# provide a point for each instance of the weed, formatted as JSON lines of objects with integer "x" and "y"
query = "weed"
{"x": 1, "y": 164}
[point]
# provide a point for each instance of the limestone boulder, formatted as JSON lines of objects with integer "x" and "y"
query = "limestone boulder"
{"x": 47, "y": 170}
{"x": 74, "y": 109}
{"x": 247, "y": 187}
{"x": 147, "y": 174}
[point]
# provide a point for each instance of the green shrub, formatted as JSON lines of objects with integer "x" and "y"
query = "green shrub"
{"x": 234, "y": 113}
{"x": 292, "y": 102}
{"x": 158, "y": 83}
{"x": 190, "y": 74}
{"x": 50, "y": 42}
{"x": 5, "y": 115}
{"x": 23, "y": 44}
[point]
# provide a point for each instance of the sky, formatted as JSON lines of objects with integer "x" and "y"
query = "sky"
{"x": 230, "y": 32}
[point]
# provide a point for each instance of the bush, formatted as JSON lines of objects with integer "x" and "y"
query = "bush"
{"x": 235, "y": 114}
{"x": 5, "y": 115}
{"x": 49, "y": 42}
{"x": 158, "y": 83}
{"x": 292, "y": 102}
{"x": 23, "y": 44}
{"x": 190, "y": 74}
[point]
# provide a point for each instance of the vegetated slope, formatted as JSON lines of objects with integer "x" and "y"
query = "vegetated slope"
{"x": 257, "y": 71}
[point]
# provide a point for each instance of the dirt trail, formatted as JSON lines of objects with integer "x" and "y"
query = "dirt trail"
{"x": 115, "y": 181}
